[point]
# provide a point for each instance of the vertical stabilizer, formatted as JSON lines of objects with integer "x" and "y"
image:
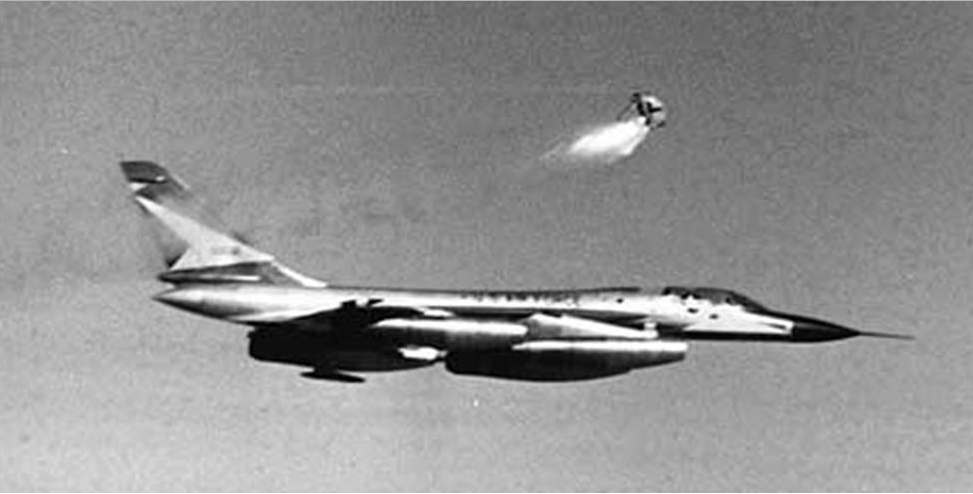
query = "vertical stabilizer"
{"x": 195, "y": 245}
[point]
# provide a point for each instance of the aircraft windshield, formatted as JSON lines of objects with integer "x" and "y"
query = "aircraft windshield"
{"x": 714, "y": 295}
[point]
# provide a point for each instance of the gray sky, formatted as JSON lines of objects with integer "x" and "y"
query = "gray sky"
{"x": 818, "y": 158}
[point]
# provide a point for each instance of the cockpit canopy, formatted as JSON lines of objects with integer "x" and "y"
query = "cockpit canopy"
{"x": 715, "y": 296}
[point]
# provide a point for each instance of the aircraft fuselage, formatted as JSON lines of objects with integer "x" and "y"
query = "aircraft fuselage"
{"x": 641, "y": 310}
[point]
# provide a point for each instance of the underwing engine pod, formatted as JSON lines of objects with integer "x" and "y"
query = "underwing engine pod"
{"x": 566, "y": 360}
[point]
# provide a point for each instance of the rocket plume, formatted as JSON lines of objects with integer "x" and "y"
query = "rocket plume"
{"x": 604, "y": 144}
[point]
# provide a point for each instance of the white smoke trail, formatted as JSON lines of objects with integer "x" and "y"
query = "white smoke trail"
{"x": 604, "y": 144}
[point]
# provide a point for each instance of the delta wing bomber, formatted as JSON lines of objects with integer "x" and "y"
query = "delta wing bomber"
{"x": 337, "y": 331}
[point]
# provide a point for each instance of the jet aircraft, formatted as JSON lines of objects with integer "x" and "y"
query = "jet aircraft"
{"x": 535, "y": 335}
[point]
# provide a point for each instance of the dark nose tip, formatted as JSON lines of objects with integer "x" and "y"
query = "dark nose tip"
{"x": 807, "y": 329}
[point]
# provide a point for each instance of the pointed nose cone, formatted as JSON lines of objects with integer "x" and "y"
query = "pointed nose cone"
{"x": 184, "y": 298}
{"x": 807, "y": 329}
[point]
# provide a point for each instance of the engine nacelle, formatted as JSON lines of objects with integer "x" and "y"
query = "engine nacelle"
{"x": 563, "y": 327}
{"x": 450, "y": 334}
{"x": 558, "y": 360}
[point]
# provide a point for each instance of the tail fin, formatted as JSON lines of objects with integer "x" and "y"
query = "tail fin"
{"x": 196, "y": 246}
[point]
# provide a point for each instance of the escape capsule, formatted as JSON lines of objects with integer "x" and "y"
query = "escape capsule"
{"x": 647, "y": 109}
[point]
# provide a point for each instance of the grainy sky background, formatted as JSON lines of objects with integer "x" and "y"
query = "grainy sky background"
{"x": 819, "y": 157}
